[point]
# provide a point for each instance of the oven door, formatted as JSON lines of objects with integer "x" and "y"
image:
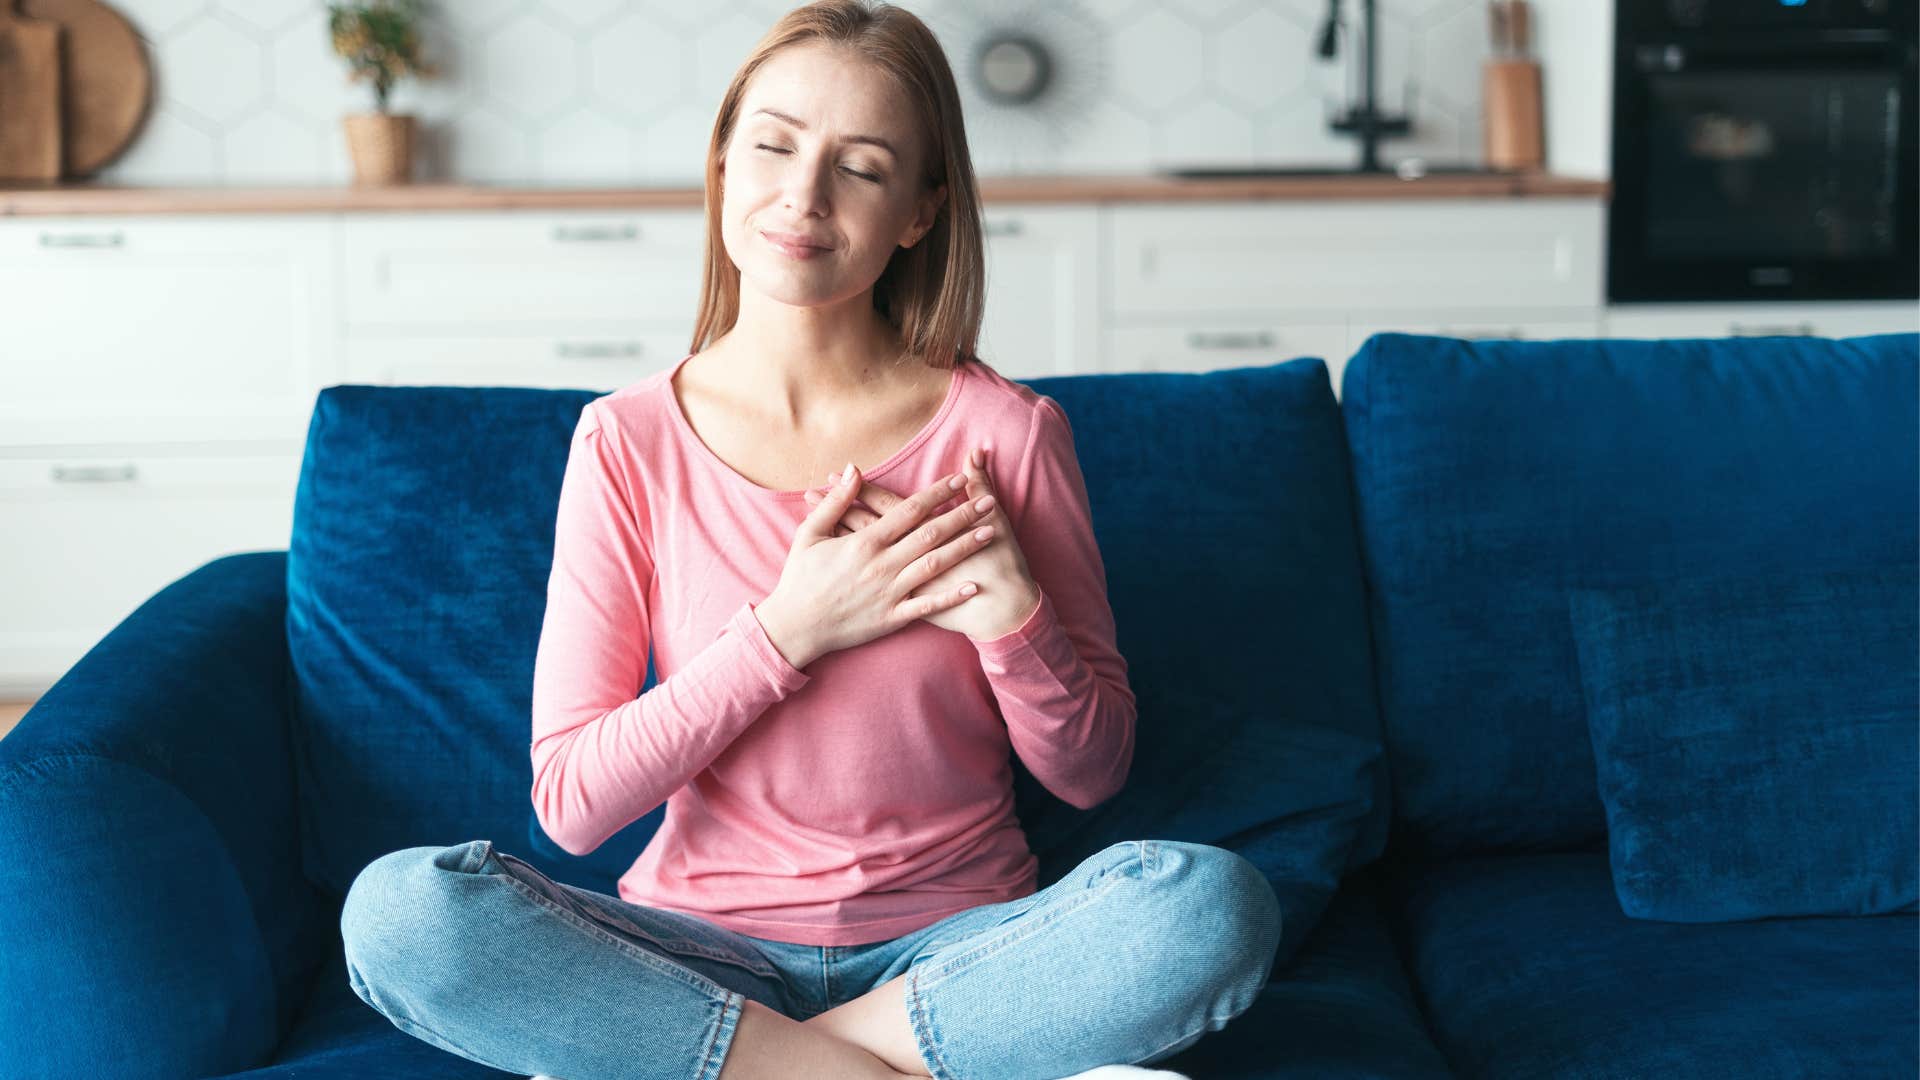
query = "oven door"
{"x": 1764, "y": 166}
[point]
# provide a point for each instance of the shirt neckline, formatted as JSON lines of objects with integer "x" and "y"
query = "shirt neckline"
{"x": 685, "y": 427}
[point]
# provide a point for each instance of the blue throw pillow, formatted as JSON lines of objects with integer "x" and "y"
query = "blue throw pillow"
{"x": 1756, "y": 742}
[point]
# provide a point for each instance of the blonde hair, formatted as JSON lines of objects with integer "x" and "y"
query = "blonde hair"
{"x": 933, "y": 292}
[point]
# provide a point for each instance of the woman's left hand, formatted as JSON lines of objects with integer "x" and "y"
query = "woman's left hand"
{"x": 1008, "y": 594}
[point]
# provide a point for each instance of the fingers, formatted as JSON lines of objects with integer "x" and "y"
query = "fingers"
{"x": 825, "y": 515}
{"x": 857, "y": 516}
{"x": 919, "y": 607}
{"x": 951, "y": 549}
{"x": 907, "y": 514}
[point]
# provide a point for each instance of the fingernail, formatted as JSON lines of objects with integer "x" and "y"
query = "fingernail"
{"x": 846, "y": 477}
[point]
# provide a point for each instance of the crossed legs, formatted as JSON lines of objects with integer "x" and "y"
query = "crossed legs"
{"x": 867, "y": 1038}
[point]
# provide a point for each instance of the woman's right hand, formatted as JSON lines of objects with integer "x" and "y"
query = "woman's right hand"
{"x": 836, "y": 592}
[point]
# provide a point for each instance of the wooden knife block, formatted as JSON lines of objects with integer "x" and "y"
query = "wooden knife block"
{"x": 1511, "y": 124}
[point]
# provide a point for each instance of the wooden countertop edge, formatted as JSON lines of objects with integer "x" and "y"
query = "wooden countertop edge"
{"x": 88, "y": 198}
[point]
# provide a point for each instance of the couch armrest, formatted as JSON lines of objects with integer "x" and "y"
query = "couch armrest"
{"x": 154, "y": 920}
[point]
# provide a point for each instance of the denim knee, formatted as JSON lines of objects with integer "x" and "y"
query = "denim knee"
{"x": 401, "y": 900}
{"x": 1221, "y": 906}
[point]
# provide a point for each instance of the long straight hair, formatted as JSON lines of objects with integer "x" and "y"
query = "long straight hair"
{"x": 933, "y": 292}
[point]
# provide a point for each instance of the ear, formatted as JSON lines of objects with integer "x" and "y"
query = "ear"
{"x": 929, "y": 212}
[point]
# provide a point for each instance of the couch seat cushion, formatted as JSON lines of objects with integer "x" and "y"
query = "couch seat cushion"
{"x": 1527, "y": 967}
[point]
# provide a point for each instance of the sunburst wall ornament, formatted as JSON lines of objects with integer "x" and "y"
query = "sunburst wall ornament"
{"x": 1030, "y": 72}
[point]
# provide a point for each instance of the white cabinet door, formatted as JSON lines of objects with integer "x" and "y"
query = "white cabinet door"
{"x": 1311, "y": 260}
{"x": 604, "y": 358}
{"x": 122, "y": 329}
{"x": 1805, "y": 319}
{"x": 547, "y": 268}
{"x": 87, "y": 537}
{"x": 1043, "y": 270}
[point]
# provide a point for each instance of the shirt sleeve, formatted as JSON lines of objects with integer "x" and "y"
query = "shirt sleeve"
{"x": 1059, "y": 677}
{"x": 602, "y": 757}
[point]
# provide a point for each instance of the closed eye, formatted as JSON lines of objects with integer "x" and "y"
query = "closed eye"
{"x": 869, "y": 177}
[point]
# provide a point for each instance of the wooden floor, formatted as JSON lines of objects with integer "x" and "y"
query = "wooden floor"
{"x": 10, "y": 714}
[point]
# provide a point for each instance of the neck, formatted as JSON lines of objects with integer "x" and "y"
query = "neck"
{"x": 814, "y": 361}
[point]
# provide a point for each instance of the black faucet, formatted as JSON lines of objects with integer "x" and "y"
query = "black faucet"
{"x": 1366, "y": 119}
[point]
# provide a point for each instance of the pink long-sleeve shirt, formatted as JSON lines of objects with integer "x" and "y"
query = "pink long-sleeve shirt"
{"x": 861, "y": 798}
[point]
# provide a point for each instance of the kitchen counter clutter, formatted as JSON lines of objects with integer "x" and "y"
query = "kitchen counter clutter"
{"x": 89, "y": 198}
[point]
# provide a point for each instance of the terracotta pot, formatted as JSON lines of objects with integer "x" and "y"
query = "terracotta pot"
{"x": 382, "y": 147}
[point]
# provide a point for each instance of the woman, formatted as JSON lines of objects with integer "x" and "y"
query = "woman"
{"x": 840, "y": 887}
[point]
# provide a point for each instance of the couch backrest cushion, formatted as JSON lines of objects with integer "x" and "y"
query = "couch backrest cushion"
{"x": 1224, "y": 509}
{"x": 1493, "y": 476}
{"x": 416, "y": 581}
{"x": 1754, "y": 742}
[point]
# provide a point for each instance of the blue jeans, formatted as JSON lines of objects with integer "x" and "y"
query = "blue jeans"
{"x": 1141, "y": 950}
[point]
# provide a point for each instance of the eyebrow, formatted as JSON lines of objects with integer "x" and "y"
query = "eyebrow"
{"x": 873, "y": 140}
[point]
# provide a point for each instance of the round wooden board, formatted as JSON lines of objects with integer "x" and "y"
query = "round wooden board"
{"x": 106, "y": 81}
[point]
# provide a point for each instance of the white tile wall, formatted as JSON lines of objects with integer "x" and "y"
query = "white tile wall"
{"x": 594, "y": 92}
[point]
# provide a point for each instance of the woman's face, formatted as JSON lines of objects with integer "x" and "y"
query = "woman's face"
{"x": 807, "y": 172}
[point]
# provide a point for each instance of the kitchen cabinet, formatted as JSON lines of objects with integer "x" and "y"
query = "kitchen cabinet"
{"x": 91, "y": 533}
{"x": 551, "y": 268}
{"x": 1198, "y": 287}
{"x": 1043, "y": 279}
{"x": 139, "y": 329}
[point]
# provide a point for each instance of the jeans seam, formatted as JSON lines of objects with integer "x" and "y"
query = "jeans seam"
{"x": 727, "y": 1004}
{"x": 923, "y": 1030}
{"x": 679, "y": 945}
{"x": 660, "y": 963}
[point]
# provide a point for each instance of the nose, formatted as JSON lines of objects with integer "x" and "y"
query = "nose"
{"x": 807, "y": 185}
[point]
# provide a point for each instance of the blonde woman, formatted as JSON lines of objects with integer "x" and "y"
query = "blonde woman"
{"x": 864, "y": 565}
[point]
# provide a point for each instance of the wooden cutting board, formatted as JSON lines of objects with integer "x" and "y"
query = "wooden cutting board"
{"x": 30, "y": 147}
{"x": 105, "y": 77}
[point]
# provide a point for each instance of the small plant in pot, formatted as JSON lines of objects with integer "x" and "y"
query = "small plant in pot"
{"x": 381, "y": 42}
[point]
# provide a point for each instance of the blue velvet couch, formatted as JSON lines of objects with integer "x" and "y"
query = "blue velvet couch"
{"x": 1563, "y": 690}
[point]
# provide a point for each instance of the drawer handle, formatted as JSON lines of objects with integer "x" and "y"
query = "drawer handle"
{"x": 1259, "y": 339}
{"x": 1804, "y": 329}
{"x": 594, "y": 234}
{"x": 597, "y": 350}
{"x": 83, "y": 240}
{"x": 1006, "y": 227}
{"x": 92, "y": 474}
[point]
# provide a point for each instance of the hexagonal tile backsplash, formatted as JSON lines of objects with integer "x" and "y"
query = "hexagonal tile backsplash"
{"x": 622, "y": 92}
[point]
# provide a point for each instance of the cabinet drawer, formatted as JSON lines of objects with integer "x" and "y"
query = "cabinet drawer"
{"x": 68, "y": 568}
{"x": 1356, "y": 256}
{"x": 133, "y": 329}
{"x": 603, "y": 359}
{"x": 1810, "y": 319}
{"x": 523, "y": 268}
{"x": 1221, "y": 344}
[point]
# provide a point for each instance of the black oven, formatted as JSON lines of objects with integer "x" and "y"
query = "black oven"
{"x": 1763, "y": 149}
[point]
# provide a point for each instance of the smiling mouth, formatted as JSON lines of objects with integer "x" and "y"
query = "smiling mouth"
{"x": 798, "y": 251}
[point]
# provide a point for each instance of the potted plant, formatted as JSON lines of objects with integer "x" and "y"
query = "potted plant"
{"x": 381, "y": 42}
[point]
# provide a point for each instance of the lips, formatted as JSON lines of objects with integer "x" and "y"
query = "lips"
{"x": 795, "y": 240}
